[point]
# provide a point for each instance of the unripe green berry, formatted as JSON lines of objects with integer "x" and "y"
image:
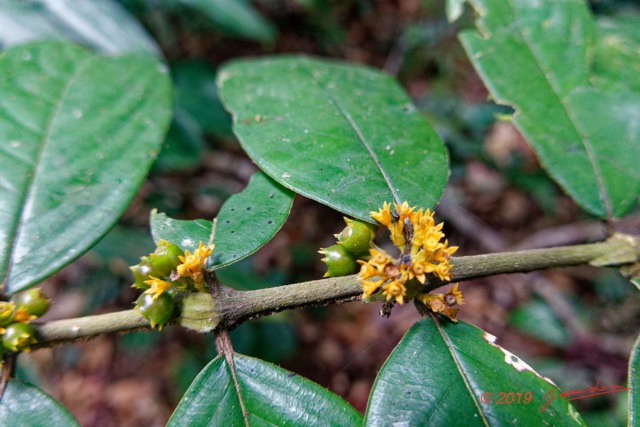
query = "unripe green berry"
{"x": 165, "y": 259}
{"x": 7, "y": 310}
{"x": 339, "y": 261}
{"x": 141, "y": 273}
{"x": 157, "y": 311}
{"x": 18, "y": 337}
{"x": 356, "y": 237}
{"x": 33, "y": 302}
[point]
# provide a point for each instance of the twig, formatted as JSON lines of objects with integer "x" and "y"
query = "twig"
{"x": 228, "y": 308}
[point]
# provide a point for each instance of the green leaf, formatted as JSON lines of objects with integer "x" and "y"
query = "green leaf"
{"x": 80, "y": 132}
{"x": 634, "y": 384}
{"x": 196, "y": 94}
{"x": 183, "y": 147}
{"x": 237, "y": 18}
{"x": 102, "y": 25}
{"x": 534, "y": 56}
{"x": 443, "y": 373}
{"x": 25, "y": 405}
{"x": 269, "y": 394}
{"x": 246, "y": 222}
{"x": 536, "y": 319}
{"x": 344, "y": 135}
{"x": 616, "y": 55}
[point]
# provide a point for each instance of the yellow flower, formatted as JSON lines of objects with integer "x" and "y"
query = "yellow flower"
{"x": 367, "y": 270}
{"x": 158, "y": 286}
{"x": 444, "y": 303}
{"x": 369, "y": 287}
{"x": 383, "y": 216}
{"x": 193, "y": 264}
{"x": 21, "y": 315}
{"x": 379, "y": 258}
{"x": 454, "y": 296}
{"x": 395, "y": 289}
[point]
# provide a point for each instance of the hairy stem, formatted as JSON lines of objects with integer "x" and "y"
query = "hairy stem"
{"x": 228, "y": 307}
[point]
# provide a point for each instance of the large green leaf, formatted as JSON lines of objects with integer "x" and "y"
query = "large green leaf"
{"x": 634, "y": 384}
{"x": 78, "y": 133}
{"x": 443, "y": 373}
{"x": 535, "y": 57}
{"x": 246, "y": 222}
{"x": 270, "y": 396}
{"x": 24, "y": 405}
{"x": 344, "y": 135}
{"x": 102, "y": 25}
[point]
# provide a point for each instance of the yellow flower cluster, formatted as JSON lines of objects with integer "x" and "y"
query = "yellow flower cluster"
{"x": 419, "y": 240}
{"x": 193, "y": 264}
{"x": 191, "y": 267}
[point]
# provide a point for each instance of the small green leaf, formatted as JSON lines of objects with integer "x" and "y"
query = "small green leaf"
{"x": 25, "y": 405}
{"x": 269, "y": 394}
{"x": 246, "y": 222}
{"x": 584, "y": 127}
{"x": 104, "y": 25}
{"x": 79, "y": 133}
{"x": 344, "y": 135}
{"x": 443, "y": 373}
{"x": 634, "y": 384}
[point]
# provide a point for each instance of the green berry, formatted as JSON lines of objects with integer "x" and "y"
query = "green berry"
{"x": 19, "y": 337}
{"x": 157, "y": 311}
{"x": 165, "y": 259}
{"x": 339, "y": 261}
{"x": 356, "y": 237}
{"x": 7, "y": 310}
{"x": 141, "y": 273}
{"x": 33, "y": 302}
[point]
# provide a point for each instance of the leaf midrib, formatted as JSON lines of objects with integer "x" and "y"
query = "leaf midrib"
{"x": 356, "y": 129}
{"x": 456, "y": 361}
{"x": 28, "y": 188}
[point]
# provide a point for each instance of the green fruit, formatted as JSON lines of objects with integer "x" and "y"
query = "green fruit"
{"x": 141, "y": 273}
{"x": 157, "y": 311}
{"x": 339, "y": 261}
{"x": 33, "y": 302}
{"x": 7, "y": 310}
{"x": 356, "y": 237}
{"x": 165, "y": 259}
{"x": 19, "y": 337}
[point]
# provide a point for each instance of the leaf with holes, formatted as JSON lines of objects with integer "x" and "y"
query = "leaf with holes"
{"x": 443, "y": 373}
{"x": 536, "y": 57}
{"x": 252, "y": 392}
{"x": 25, "y": 405}
{"x": 344, "y": 135}
{"x": 246, "y": 222}
{"x": 79, "y": 132}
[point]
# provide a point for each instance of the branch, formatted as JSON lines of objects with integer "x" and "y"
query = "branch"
{"x": 227, "y": 307}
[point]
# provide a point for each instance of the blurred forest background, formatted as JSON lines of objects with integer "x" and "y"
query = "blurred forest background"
{"x": 574, "y": 325}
